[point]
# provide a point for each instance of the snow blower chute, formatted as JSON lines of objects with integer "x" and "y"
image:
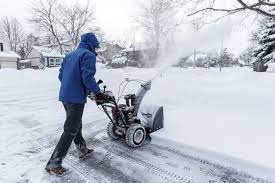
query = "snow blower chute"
{"x": 128, "y": 120}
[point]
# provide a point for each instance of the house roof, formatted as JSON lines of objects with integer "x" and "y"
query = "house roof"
{"x": 25, "y": 61}
{"x": 47, "y": 52}
{"x": 9, "y": 54}
{"x": 108, "y": 46}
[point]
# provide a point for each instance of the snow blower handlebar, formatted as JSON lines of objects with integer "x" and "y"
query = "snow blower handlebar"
{"x": 124, "y": 119}
{"x": 135, "y": 99}
{"x": 107, "y": 94}
{"x": 110, "y": 103}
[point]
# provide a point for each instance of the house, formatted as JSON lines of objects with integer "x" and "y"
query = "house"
{"x": 110, "y": 50}
{"x": 8, "y": 59}
{"x": 41, "y": 56}
{"x": 141, "y": 55}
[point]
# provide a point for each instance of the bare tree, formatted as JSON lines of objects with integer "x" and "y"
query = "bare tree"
{"x": 75, "y": 20}
{"x": 158, "y": 18}
{"x": 11, "y": 31}
{"x": 261, "y": 7}
{"x": 60, "y": 22}
{"x": 45, "y": 17}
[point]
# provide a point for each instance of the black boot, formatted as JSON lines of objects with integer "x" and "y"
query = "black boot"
{"x": 83, "y": 151}
{"x": 57, "y": 170}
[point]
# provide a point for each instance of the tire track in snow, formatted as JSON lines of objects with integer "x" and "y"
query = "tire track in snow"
{"x": 225, "y": 174}
{"x": 118, "y": 150}
{"x": 73, "y": 162}
{"x": 125, "y": 153}
{"x": 49, "y": 140}
{"x": 227, "y": 170}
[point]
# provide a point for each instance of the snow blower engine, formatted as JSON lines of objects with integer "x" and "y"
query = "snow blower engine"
{"x": 128, "y": 120}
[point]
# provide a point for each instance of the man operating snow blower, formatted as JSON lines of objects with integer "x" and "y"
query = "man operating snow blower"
{"x": 77, "y": 81}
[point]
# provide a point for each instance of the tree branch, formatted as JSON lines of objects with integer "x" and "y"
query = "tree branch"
{"x": 257, "y": 7}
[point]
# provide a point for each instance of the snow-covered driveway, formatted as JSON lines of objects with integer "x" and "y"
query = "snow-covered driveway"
{"x": 113, "y": 161}
{"x": 32, "y": 118}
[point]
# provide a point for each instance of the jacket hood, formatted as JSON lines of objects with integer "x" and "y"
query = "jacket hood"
{"x": 89, "y": 41}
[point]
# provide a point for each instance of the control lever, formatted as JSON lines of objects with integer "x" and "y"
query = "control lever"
{"x": 104, "y": 88}
{"x": 99, "y": 82}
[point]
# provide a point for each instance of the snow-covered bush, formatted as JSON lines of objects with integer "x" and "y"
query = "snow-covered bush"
{"x": 118, "y": 61}
{"x": 271, "y": 67}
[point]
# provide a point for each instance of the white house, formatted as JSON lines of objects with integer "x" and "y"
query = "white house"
{"x": 8, "y": 59}
{"x": 41, "y": 56}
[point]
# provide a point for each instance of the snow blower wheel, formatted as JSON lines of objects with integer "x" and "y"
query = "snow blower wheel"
{"x": 135, "y": 135}
{"x": 111, "y": 131}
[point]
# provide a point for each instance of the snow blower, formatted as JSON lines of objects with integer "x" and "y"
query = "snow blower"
{"x": 128, "y": 120}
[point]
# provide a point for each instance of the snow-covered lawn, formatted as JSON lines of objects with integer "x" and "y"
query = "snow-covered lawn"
{"x": 230, "y": 112}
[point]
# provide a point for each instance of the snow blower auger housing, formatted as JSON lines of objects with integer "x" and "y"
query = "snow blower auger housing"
{"x": 128, "y": 120}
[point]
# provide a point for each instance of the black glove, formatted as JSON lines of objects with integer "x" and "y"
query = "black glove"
{"x": 101, "y": 98}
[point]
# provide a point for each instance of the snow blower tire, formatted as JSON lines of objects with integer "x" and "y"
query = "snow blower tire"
{"x": 111, "y": 131}
{"x": 135, "y": 135}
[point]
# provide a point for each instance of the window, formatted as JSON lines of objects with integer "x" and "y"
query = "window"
{"x": 52, "y": 62}
{"x": 58, "y": 61}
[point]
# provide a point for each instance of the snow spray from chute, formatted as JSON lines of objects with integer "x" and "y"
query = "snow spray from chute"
{"x": 193, "y": 40}
{"x": 206, "y": 39}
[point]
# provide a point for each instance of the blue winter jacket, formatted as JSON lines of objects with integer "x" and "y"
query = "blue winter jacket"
{"x": 77, "y": 72}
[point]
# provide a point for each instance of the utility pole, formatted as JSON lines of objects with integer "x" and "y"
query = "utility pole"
{"x": 220, "y": 63}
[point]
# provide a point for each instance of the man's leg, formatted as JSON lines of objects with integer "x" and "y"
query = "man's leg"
{"x": 78, "y": 140}
{"x": 80, "y": 144}
{"x": 71, "y": 127}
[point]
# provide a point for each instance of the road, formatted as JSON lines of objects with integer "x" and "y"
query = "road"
{"x": 114, "y": 161}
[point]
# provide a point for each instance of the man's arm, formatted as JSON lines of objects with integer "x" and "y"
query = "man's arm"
{"x": 88, "y": 70}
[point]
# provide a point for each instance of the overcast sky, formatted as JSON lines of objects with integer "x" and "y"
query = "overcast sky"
{"x": 115, "y": 18}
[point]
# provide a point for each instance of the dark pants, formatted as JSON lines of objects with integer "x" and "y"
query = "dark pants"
{"x": 72, "y": 132}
